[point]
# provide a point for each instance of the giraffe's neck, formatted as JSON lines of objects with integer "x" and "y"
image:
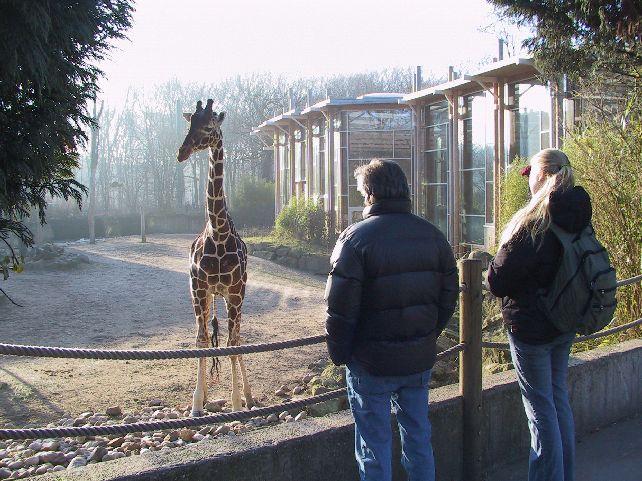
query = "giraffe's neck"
{"x": 216, "y": 206}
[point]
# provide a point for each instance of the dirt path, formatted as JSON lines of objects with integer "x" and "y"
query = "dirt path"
{"x": 135, "y": 295}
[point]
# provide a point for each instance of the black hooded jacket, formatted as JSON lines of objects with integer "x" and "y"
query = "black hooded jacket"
{"x": 392, "y": 289}
{"x": 522, "y": 266}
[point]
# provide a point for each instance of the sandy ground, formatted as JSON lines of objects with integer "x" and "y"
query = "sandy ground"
{"x": 135, "y": 295}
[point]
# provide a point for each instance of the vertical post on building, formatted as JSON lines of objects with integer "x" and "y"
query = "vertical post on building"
{"x": 455, "y": 180}
{"x": 329, "y": 178}
{"x": 470, "y": 366}
{"x": 143, "y": 232}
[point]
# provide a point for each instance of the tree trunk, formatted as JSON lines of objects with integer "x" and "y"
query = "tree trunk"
{"x": 93, "y": 163}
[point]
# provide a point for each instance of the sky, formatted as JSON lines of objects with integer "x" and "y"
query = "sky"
{"x": 204, "y": 41}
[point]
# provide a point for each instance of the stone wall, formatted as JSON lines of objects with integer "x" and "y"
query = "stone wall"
{"x": 605, "y": 386}
{"x": 290, "y": 257}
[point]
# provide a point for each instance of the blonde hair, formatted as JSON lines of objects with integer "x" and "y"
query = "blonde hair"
{"x": 536, "y": 216}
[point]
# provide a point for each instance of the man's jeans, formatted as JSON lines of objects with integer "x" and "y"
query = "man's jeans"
{"x": 370, "y": 400}
{"x": 541, "y": 372}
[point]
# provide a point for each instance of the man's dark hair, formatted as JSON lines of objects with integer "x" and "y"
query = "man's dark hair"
{"x": 383, "y": 179}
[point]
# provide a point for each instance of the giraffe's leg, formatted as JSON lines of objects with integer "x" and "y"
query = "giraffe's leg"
{"x": 233, "y": 340}
{"x": 234, "y": 303}
{"x": 201, "y": 299}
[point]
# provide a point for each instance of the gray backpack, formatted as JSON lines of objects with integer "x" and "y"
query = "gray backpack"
{"x": 582, "y": 296}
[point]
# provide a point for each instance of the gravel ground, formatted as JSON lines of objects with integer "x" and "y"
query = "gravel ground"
{"x": 133, "y": 295}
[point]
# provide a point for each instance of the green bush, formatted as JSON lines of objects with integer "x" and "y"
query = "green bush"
{"x": 514, "y": 193}
{"x": 606, "y": 156}
{"x": 302, "y": 219}
{"x": 252, "y": 204}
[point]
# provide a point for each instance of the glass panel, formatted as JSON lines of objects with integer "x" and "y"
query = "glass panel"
{"x": 436, "y": 166}
{"x": 437, "y": 137}
{"x": 367, "y": 145}
{"x": 475, "y": 136}
{"x": 489, "y": 203}
{"x": 473, "y": 192}
{"x": 436, "y": 113}
{"x": 436, "y": 207}
{"x": 531, "y": 115}
{"x": 357, "y": 215}
{"x": 472, "y": 229}
{"x": 355, "y": 197}
{"x": 402, "y": 144}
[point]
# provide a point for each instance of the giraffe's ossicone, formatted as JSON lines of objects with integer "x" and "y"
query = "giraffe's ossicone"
{"x": 218, "y": 258}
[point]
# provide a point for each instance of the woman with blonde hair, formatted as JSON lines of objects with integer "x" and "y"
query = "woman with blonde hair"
{"x": 526, "y": 264}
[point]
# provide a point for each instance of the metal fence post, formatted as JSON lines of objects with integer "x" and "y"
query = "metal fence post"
{"x": 143, "y": 226}
{"x": 470, "y": 366}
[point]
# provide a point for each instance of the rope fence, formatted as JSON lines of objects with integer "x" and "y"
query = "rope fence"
{"x": 123, "y": 354}
{"x": 120, "y": 429}
{"x": 147, "y": 355}
{"x": 503, "y": 346}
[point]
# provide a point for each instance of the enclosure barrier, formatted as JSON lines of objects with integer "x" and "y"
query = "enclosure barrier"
{"x": 470, "y": 373}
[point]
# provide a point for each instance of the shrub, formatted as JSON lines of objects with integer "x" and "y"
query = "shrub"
{"x": 605, "y": 156}
{"x": 252, "y": 204}
{"x": 302, "y": 219}
{"x": 514, "y": 193}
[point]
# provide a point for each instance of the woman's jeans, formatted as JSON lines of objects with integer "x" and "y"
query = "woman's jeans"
{"x": 541, "y": 372}
{"x": 370, "y": 400}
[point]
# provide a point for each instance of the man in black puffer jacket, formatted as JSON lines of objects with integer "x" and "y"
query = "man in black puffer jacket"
{"x": 392, "y": 289}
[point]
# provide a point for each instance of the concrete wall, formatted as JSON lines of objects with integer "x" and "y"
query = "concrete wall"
{"x": 605, "y": 386}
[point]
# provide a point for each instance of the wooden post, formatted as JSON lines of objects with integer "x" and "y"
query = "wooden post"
{"x": 143, "y": 230}
{"x": 470, "y": 366}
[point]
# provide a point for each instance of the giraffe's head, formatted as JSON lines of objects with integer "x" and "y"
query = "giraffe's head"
{"x": 204, "y": 130}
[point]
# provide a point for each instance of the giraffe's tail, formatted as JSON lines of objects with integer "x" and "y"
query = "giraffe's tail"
{"x": 215, "y": 370}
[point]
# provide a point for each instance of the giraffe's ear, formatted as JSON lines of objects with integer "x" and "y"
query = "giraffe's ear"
{"x": 187, "y": 116}
{"x": 221, "y": 117}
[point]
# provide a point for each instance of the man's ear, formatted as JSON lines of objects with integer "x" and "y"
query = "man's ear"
{"x": 187, "y": 116}
{"x": 221, "y": 117}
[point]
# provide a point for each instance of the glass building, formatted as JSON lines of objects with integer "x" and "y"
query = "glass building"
{"x": 454, "y": 141}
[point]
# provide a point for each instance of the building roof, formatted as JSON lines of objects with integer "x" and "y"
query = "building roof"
{"x": 514, "y": 67}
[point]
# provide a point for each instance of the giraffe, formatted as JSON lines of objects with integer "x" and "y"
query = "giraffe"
{"x": 218, "y": 258}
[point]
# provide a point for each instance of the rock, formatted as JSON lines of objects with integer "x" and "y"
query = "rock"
{"x": 4, "y": 473}
{"x": 53, "y": 457}
{"x": 223, "y": 429}
{"x": 114, "y": 443}
{"x": 186, "y": 434}
{"x": 283, "y": 251}
{"x": 283, "y": 391}
{"x": 15, "y": 465}
{"x": 52, "y": 445}
{"x": 3, "y": 453}
{"x": 155, "y": 402}
{"x": 301, "y": 415}
{"x": 113, "y": 411}
{"x": 307, "y": 378}
{"x": 213, "y": 407}
{"x": 55, "y": 469}
{"x": 327, "y": 407}
{"x": 158, "y": 415}
{"x": 289, "y": 419}
{"x": 198, "y": 437}
{"x": 98, "y": 453}
{"x": 318, "y": 389}
{"x": 298, "y": 390}
{"x": 172, "y": 415}
{"x": 41, "y": 469}
{"x": 283, "y": 415}
{"x": 272, "y": 418}
{"x": 77, "y": 462}
{"x": 172, "y": 436}
{"x": 129, "y": 419}
{"x": 80, "y": 421}
{"x": 32, "y": 460}
{"x": 205, "y": 430}
{"x": 35, "y": 445}
{"x": 84, "y": 258}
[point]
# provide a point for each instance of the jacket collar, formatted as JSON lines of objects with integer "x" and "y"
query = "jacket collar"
{"x": 388, "y": 206}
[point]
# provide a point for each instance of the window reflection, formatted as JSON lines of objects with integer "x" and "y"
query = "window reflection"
{"x": 434, "y": 167}
{"x": 529, "y": 109}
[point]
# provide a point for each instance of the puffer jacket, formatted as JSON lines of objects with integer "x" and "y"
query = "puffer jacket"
{"x": 523, "y": 267}
{"x": 392, "y": 289}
